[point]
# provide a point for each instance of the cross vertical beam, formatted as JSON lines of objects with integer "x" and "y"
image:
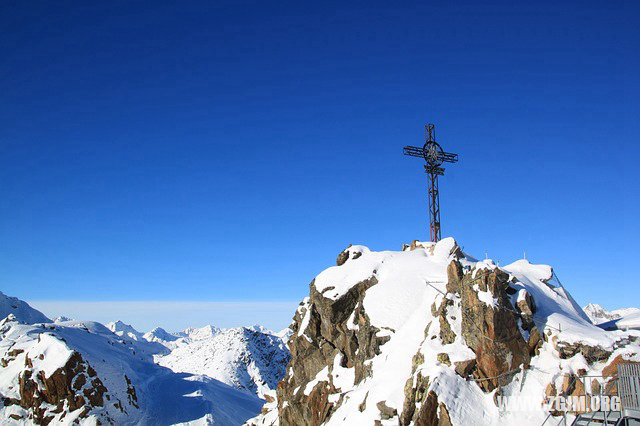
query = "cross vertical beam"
{"x": 434, "y": 156}
{"x": 434, "y": 207}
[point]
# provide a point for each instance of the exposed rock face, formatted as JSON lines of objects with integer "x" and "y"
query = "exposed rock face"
{"x": 489, "y": 329}
{"x": 315, "y": 347}
{"x": 73, "y": 388}
{"x": 349, "y": 253}
{"x": 611, "y": 370}
{"x": 73, "y": 383}
{"x": 591, "y": 353}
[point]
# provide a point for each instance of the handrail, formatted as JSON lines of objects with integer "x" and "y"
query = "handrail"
{"x": 564, "y": 417}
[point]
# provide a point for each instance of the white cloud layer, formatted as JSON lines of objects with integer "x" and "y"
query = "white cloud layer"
{"x": 173, "y": 315}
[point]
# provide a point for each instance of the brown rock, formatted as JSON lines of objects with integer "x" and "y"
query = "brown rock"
{"x": 591, "y": 353}
{"x": 611, "y": 370}
{"x": 579, "y": 388}
{"x": 342, "y": 257}
{"x": 14, "y": 352}
{"x": 454, "y": 277}
{"x": 446, "y": 333}
{"x": 444, "y": 419}
{"x": 58, "y": 388}
{"x": 428, "y": 414}
{"x": 535, "y": 341}
{"x": 444, "y": 358}
{"x": 568, "y": 384}
{"x": 386, "y": 412}
{"x": 492, "y": 333}
{"x": 550, "y": 390}
{"x": 464, "y": 368}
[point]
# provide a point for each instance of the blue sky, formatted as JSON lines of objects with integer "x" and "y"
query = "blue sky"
{"x": 227, "y": 151}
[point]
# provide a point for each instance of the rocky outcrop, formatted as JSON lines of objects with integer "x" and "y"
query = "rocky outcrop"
{"x": 74, "y": 386}
{"x": 490, "y": 329}
{"x": 323, "y": 329}
{"x": 326, "y": 328}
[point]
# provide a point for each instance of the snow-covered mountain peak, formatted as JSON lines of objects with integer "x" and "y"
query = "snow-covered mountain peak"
{"x": 428, "y": 335}
{"x": 121, "y": 329}
{"x": 201, "y": 333}
{"x": 21, "y": 310}
{"x": 598, "y": 315}
{"x": 159, "y": 335}
{"x": 242, "y": 357}
{"x": 62, "y": 318}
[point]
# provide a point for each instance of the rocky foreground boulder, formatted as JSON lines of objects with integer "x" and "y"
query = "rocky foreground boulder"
{"x": 431, "y": 336}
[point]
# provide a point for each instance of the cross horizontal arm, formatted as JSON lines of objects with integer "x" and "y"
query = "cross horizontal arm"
{"x": 413, "y": 151}
{"x": 449, "y": 157}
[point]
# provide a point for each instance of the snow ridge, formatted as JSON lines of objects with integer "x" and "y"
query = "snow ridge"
{"x": 20, "y": 310}
{"x": 248, "y": 358}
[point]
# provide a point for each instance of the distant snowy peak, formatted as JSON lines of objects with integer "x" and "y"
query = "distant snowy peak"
{"x": 124, "y": 330}
{"x": 201, "y": 333}
{"x": 62, "y": 318}
{"x": 285, "y": 334}
{"x": 20, "y": 310}
{"x": 597, "y": 314}
{"x": 245, "y": 357}
{"x": 159, "y": 335}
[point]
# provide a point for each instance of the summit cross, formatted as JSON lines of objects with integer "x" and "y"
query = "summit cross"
{"x": 433, "y": 154}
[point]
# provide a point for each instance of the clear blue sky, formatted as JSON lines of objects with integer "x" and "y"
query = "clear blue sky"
{"x": 228, "y": 150}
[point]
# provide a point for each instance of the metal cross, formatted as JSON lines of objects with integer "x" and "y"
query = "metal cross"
{"x": 433, "y": 154}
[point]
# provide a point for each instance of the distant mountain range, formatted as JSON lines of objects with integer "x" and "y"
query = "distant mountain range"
{"x": 597, "y": 314}
{"x": 64, "y": 371}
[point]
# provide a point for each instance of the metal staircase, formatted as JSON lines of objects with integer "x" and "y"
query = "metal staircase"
{"x": 597, "y": 418}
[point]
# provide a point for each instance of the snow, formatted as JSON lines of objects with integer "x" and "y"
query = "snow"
{"x": 555, "y": 308}
{"x": 21, "y": 310}
{"x": 335, "y": 281}
{"x": 124, "y": 330}
{"x": 628, "y": 322}
{"x": 322, "y": 376}
{"x": 247, "y": 359}
{"x": 305, "y": 322}
{"x": 201, "y": 333}
{"x": 159, "y": 335}
{"x": 486, "y": 297}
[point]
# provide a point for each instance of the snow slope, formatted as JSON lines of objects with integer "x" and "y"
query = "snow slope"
{"x": 248, "y": 358}
{"x": 251, "y": 359}
{"x": 20, "y": 310}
